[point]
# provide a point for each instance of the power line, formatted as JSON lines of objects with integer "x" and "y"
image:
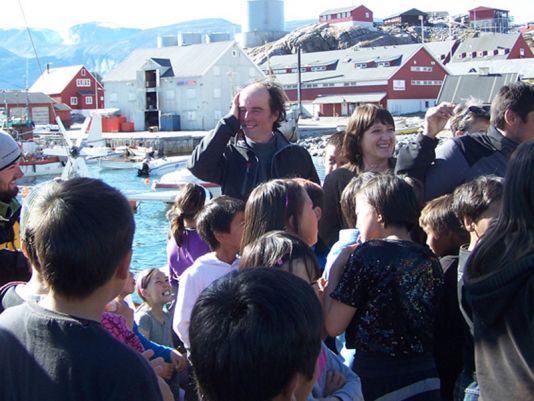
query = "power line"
{"x": 31, "y": 37}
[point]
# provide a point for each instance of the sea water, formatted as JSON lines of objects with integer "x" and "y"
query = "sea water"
{"x": 151, "y": 233}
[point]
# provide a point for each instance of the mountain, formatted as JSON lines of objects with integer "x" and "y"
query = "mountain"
{"x": 98, "y": 46}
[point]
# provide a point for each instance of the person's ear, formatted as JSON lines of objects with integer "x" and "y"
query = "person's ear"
{"x": 24, "y": 249}
{"x": 318, "y": 212}
{"x": 469, "y": 224}
{"x": 219, "y": 236}
{"x": 510, "y": 117}
{"x": 123, "y": 269}
{"x": 379, "y": 218}
{"x": 291, "y": 225}
{"x": 288, "y": 391}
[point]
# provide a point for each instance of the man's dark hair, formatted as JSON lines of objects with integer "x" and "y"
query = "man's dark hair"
{"x": 473, "y": 198}
{"x": 217, "y": 216}
{"x": 394, "y": 199}
{"x": 277, "y": 101}
{"x": 79, "y": 231}
{"x": 517, "y": 97}
{"x": 251, "y": 332}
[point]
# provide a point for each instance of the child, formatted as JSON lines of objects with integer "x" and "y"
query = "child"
{"x": 154, "y": 321}
{"x": 333, "y": 154}
{"x": 280, "y": 204}
{"x": 184, "y": 245}
{"x": 475, "y": 203}
{"x": 499, "y": 281}
{"x": 81, "y": 233}
{"x": 285, "y": 251}
{"x": 445, "y": 234}
{"x": 220, "y": 224}
{"x": 256, "y": 335}
{"x": 386, "y": 296}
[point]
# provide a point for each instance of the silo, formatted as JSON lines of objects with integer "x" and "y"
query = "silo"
{"x": 218, "y": 37}
{"x": 265, "y": 22}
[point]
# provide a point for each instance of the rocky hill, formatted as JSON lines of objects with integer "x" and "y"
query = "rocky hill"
{"x": 324, "y": 37}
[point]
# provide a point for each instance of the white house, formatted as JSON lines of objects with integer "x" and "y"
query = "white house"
{"x": 196, "y": 83}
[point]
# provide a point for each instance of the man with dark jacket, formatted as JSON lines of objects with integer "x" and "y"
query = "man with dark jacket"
{"x": 246, "y": 149}
{"x": 467, "y": 157}
{"x": 13, "y": 265}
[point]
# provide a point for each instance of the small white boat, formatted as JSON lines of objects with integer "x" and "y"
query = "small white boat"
{"x": 162, "y": 166}
{"x": 33, "y": 167}
{"x": 118, "y": 163}
{"x": 177, "y": 179}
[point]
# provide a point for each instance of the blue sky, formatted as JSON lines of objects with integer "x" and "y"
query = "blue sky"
{"x": 61, "y": 14}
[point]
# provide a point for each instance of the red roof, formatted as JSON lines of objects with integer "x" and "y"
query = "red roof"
{"x": 482, "y": 8}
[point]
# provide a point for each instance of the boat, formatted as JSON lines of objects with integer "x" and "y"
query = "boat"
{"x": 33, "y": 163}
{"x": 118, "y": 163}
{"x": 177, "y": 179}
{"x": 162, "y": 166}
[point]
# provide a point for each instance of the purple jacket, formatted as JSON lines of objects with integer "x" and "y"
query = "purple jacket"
{"x": 180, "y": 258}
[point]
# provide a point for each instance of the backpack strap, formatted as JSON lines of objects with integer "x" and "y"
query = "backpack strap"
{"x": 4, "y": 289}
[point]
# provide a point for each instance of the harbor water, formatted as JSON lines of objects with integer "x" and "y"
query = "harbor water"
{"x": 149, "y": 246}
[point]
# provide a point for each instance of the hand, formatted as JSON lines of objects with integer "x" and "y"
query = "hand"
{"x": 178, "y": 360}
{"x": 338, "y": 267}
{"x": 156, "y": 363}
{"x": 235, "y": 106}
{"x": 165, "y": 390}
{"x": 167, "y": 370}
{"x": 334, "y": 381}
{"x": 436, "y": 118}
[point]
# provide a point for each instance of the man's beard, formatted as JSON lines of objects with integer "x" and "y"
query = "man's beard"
{"x": 7, "y": 195}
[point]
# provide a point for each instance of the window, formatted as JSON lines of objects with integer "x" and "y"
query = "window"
{"x": 191, "y": 115}
{"x": 113, "y": 97}
{"x": 420, "y": 69}
{"x": 74, "y": 101}
{"x": 131, "y": 97}
{"x": 82, "y": 72}
{"x": 191, "y": 94}
{"x": 366, "y": 15}
{"x": 399, "y": 85}
{"x": 83, "y": 83}
{"x": 88, "y": 100}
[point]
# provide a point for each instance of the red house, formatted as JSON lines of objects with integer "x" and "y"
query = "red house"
{"x": 33, "y": 107}
{"x": 348, "y": 16}
{"x": 493, "y": 46}
{"x": 489, "y": 19}
{"x": 74, "y": 86}
{"x": 404, "y": 79}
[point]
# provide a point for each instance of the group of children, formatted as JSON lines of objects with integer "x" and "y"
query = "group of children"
{"x": 402, "y": 307}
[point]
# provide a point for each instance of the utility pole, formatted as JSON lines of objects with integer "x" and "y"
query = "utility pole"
{"x": 421, "y": 18}
{"x": 299, "y": 99}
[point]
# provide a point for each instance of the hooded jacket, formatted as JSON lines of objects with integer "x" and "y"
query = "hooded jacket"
{"x": 455, "y": 161}
{"x": 502, "y": 304}
{"x": 225, "y": 158}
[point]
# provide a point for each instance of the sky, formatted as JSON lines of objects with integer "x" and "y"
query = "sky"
{"x": 59, "y": 15}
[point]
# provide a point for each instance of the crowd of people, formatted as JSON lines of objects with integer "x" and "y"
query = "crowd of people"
{"x": 398, "y": 278}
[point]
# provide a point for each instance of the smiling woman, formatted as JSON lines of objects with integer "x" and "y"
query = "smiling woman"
{"x": 368, "y": 146}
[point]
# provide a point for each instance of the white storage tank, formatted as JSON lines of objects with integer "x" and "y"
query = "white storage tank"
{"x": 189, "y": 38}
{"x": 265, "y": 22}
{"x": 167, "y": 41}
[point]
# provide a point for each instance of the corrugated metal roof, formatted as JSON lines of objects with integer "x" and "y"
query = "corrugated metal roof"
{"x": 410, "y": 12}
{"x": 21, "y": 97}
{"x": 487, "y": 42}
{"x": 345, "y": 70}
{"x": 186, "y": 61}
{"x": 55, "y": 80}
{"x": 339, "y": 10}
{"x": 359, "y": 98}
{"x": 459, "y": 88}
{"x": 524, "y": 67}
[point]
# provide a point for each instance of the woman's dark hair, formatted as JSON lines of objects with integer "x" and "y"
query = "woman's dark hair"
{"x": 511, "y": 236}
{"x": 361, "y": 120}
{"x": 280, "y": 249}
{"x": 394, "y": 199}
{"x": 271, "y": 206}
{"x": 187, "y": 205}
